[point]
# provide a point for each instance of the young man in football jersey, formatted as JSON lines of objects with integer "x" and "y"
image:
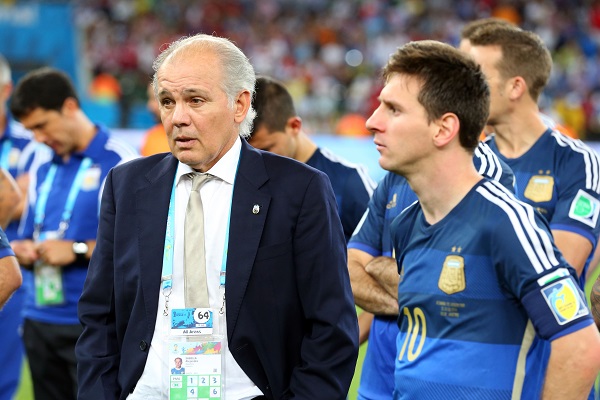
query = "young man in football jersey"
{"x": 557, "y": 175}
{"x": 374, "y": 275}
{"x": 480, "y": 277}
{"x": 278, "y": 129}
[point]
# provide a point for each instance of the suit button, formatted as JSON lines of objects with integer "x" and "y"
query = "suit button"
{"x": 143, "y": 345}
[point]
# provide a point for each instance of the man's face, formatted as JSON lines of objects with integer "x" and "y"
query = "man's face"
{"x": 178, "y": 363}
{"x": 53, "y": 128}
{"x": 200, "y": 123}
{"x": 400, "y": 125}
{"x": 487, "y": 57}
{"x": 278, "y": 142}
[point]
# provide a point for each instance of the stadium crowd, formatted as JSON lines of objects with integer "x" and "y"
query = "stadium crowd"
{"x": 328, "y": 53}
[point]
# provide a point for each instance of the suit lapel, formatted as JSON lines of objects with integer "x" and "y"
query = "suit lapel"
{"x": 152, "y": 202}
{"x": 245, "y": 229}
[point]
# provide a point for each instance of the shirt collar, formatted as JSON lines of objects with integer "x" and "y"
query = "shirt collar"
{"x": 225, "y": 169}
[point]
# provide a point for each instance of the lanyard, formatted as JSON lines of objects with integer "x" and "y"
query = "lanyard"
{"x": 6, "y": 146}
{"x": 169, "y": 249}
{"x": 40, "y": 206}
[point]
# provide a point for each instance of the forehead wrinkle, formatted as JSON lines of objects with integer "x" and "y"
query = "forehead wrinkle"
{"x": 184, "y": 92}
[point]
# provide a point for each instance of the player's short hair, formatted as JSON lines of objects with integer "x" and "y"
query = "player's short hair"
{"x": 273, "y": 104}
{"x": 451, "y": 81}
{"x": 524, "y": 54}
{"x": 471, "y": 27}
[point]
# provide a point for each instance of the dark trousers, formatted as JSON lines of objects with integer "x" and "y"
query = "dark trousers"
{"x": 50, "y": 350}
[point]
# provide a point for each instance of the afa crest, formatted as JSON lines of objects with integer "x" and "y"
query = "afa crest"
{"x": 539, "y": 188}
{"x": 13, "y": 157}
{"x": 452, "y": 279}
{"x": 91, "y": 180}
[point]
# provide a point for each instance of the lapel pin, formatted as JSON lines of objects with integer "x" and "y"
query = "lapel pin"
{"x": 255, "y": 209}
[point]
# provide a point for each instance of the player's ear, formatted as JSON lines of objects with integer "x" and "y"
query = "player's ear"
{"x": 447, "y": 127}
{"x": 69, "y": 106}
{"x": 293, "y": 125}
{"x": 517, "y": 88}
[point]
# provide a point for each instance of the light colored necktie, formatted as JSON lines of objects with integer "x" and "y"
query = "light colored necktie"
{"x": 196, "y": 288}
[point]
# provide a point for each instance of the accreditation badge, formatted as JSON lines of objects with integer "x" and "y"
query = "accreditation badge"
{"x": 48, "y": 285}
{"x": 196, "y": 359}
{"x": 48, "y": 279}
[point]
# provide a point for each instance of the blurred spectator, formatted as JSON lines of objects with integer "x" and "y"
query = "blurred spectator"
{"x": 104, "y": 88}
{"x": 352, "y": 125}
{"x": 328, "y": 52}
{"x": 155, "y": 139}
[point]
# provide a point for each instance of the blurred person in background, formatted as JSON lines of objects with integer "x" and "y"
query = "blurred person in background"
{"x": 17, "y": 149}
{"x": 554, "y": 173}
{"x": 60, "y": 224}
{"x": 155, "y": 139}
{"x": 278, "y": 129}
{"x": 469, "y": 30}
{"x": 104, "y": 87}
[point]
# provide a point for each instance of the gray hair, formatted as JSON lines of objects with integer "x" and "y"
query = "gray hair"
{"x": 5, "y": 76}
{"x": 238, "y": 74}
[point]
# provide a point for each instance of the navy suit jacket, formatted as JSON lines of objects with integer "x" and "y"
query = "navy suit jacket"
{"x": 291, "y": 321}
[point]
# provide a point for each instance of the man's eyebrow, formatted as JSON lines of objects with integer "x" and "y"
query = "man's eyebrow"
{"x": 389, "y": 103}
{"x": 185, "y": 92}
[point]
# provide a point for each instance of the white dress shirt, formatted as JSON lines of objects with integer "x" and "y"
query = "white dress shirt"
{"x": 216, "y": 197}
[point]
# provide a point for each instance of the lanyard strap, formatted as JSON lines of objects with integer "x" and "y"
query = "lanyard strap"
{"x": 6, "y": 146}
{"x": 40, "y": 206}
{"x": 169, "y": 249}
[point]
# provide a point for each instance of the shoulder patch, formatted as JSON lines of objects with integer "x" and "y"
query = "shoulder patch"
{"x": 565, "y": 301}
{"x": 585, "y": 208}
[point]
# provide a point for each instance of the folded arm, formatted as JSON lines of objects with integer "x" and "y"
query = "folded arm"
{"x": 369, "y": 293}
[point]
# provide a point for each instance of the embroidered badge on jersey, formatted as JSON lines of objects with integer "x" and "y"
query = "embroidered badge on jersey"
{"x": 565, "y": 301}
{"x": 539, "y": 188}
{"x": 452, "y": 279}
{"x": 13, "y": 157}
{"x": 91, "y": 180}
{"x": 585, "y": 208}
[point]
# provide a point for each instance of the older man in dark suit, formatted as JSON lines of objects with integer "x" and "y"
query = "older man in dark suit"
{"x": 274, "y": 253}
